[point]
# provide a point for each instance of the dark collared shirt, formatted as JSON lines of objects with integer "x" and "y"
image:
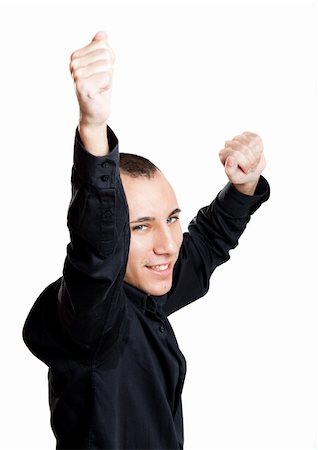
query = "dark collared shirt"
{"x": 115, "y": 369}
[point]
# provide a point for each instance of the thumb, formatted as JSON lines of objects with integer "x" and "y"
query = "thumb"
{"x": 100, "y": 35}
{"x": 230, "y": 166}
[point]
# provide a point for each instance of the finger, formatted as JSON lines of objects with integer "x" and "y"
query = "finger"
{"x": 250, "y": 152}
{"x": 254, "y": 141}
{"x": 241, "y": 159}
{"x": 92, "y": 69}
{"x": 244, "y": 139}
{"x": 91, "y": 47}
{"x": 250, "y": 139}
{"x": 250, "y": 134}
{"x": 223, "y": 156}
{"x": 230, "y": 166}
{"x": 97, "y": 55}
{"x": 100, "y": 35}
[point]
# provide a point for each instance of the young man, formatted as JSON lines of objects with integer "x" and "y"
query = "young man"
{"x": 115, "y": 370}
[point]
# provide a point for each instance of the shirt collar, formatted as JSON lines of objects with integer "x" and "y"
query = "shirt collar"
{"x": 144, "y": 301}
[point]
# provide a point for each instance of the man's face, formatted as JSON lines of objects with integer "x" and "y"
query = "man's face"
{"x": 156, "y": 234}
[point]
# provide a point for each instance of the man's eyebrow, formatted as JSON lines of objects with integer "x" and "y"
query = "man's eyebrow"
{"x": 151, "y": 219}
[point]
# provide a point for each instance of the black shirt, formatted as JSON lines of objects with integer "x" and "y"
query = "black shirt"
{"x": 115, "y": 369}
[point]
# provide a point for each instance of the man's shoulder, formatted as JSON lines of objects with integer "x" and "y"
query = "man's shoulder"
{"x": 41, "y": 328}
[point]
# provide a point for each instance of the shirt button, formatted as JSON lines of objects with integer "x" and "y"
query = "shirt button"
{"x": 105, "y": 164}
{"x": 107, "y": 213}
{"x": 104, "y": 178}
{"x": 162, "y": 329}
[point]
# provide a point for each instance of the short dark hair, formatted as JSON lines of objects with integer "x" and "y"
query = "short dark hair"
{"x": 136, "y": 166}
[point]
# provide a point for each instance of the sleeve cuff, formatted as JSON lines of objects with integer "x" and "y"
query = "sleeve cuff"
{"x": 240, "y": 205}
{"x": 98, "y": 171}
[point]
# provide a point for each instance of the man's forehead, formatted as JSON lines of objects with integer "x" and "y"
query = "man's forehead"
{"x": 149, "y": 197}
{"x": 154, "y": 186}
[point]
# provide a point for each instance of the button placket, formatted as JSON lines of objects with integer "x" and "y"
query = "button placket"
{"x": 151, "y": 304}
{"x": 152, "y": 307}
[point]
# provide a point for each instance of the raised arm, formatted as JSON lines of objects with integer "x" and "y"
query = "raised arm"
{"x": 84, "y": 310}
{"x": 91, "y": 304}
{"x": 217, "y": 227}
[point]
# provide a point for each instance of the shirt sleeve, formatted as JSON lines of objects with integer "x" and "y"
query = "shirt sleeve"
{"x": 91, "y": 303}
{"x": 211, "y": 235}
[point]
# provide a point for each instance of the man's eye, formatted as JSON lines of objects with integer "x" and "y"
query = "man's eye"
{"x": 172, "y": 219}
{"x": 140, "y": 227}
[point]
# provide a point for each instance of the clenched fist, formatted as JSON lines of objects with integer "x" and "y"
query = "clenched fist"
{"x": 92, "y": 70}
{"x": 244, "y": 161}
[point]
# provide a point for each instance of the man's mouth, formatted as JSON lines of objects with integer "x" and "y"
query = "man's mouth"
{"x": 159, "y": 268}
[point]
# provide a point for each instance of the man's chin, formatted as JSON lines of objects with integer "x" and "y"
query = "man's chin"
{"x": 157, "y": 291}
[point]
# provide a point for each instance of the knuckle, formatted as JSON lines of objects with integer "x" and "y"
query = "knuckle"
{"x": 77, "y": 74}
{"x": 238, "y": 142}
{"x": 249, "y": 133}
{"x": 240, "y": 138}
{"x": 72, "y": 66}
{"x": 260, "y": 142}
{"x": 255, "y": 138}
{"x": 239, "y": 146}
{"x": 230, "y": 144}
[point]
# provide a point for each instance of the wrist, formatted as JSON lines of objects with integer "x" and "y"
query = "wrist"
{"x": 247, "y": 188}
{"x": 94, "y": 138}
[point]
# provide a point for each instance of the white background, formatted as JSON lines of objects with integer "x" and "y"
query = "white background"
{"x": 189, "y": 75}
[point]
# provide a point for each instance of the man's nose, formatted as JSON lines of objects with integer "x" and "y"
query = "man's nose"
{"x": 164, "y": 242}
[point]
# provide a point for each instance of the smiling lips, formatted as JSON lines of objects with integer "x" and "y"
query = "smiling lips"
{"x": 161, "y": 268}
